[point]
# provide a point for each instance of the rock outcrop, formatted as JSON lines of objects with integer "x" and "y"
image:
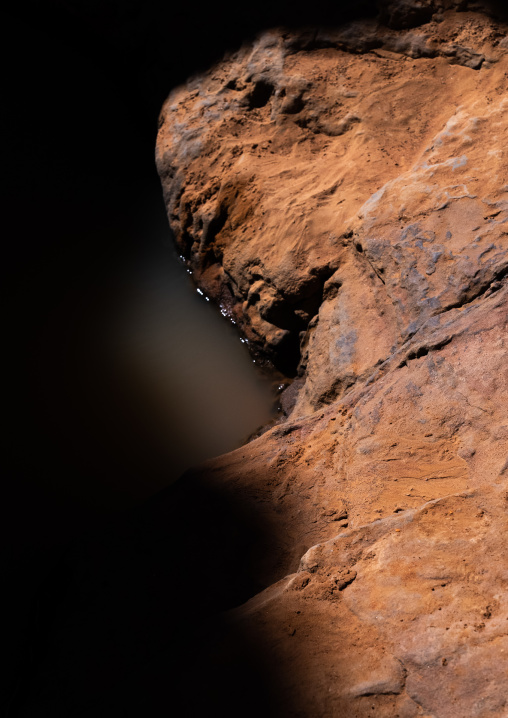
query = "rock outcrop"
{"x": 343, "y": 196}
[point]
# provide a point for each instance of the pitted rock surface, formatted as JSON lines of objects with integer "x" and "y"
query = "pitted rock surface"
{"x": 343, "y": 196}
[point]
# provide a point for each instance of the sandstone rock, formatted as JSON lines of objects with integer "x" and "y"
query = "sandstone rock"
{"x": 343, "y": 196}
{"x": 267, "y": 161}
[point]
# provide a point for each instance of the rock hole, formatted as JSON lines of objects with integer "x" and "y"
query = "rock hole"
{"x": 261, "y": 94}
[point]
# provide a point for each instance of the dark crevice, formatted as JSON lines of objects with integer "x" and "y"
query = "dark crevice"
{"x": 287, "y": 356}
{"x": 210, "y": 257}
{"x": 314, "y": 297}
{"x": 293, "y": 314}
{"x": 477, "y": 289}
{"x": 260, "y": 95}
{"x": 298, "y": 314}
{"x": 316, "y": 39}
{"x": 424, "y": 349}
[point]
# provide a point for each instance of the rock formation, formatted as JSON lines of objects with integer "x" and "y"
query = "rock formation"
{"x": 342, "y": 195}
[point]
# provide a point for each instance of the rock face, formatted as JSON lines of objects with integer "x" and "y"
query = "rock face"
{"x": 343, "y": 196}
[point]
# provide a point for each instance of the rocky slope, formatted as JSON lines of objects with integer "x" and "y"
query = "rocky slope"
{"x": 343, "y": 196}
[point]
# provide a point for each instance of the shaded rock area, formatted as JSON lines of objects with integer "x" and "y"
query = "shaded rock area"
{"x": 343, "y": 197}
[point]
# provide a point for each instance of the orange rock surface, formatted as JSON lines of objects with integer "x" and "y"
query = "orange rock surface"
{"x": 343, "y": 196}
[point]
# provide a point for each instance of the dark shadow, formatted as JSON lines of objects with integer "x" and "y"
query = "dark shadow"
{"x": 128, "y": 618}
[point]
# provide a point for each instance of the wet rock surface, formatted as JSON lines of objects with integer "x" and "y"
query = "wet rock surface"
{"x": 343, "y": 196}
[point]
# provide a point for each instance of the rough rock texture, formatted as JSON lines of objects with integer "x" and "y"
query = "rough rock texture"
{"x": 344, "y": 197}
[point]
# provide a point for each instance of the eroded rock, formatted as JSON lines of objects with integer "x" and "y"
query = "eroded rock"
{"x": 343, "y": 195}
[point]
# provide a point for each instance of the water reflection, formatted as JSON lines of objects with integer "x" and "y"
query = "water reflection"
{"x": 178, "y": 347}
